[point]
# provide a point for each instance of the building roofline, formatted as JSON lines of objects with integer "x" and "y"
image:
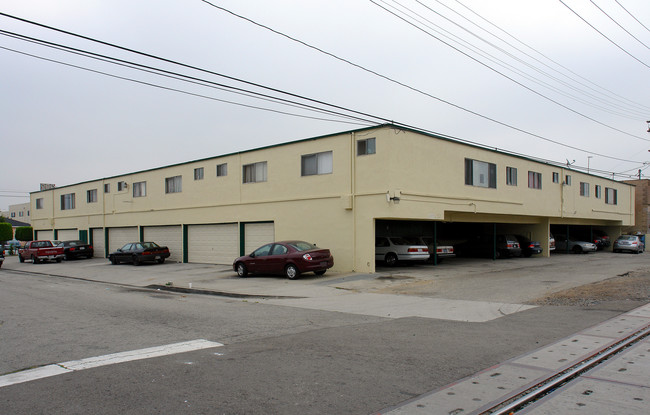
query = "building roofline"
{"x": 375, "y": 127}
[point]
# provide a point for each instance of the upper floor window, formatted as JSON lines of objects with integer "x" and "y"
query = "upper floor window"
{"x": 67, "y": 201}
{"x": 480, "y": 173}
{"x": 366, "y": 146}
{"x": 13, "y": 214}
{"x": 21, "y": 213}
{"x": 121, "y": 186}
{"x": 107, "y": 188}
{"x": 534, "y": 180}
{"x": 91, "y": 196}
{"x": 174, "y": 184}
{"x": 198, "y": 173}
{"x": 556, "y": 177}
{"x": 39, "y": 203}
{"x": 567, "y": 180}
{"x": 222, "y": 169}
{"x": 139, "y": 189}
{"x": 511, "y": 176}
{"x": 255, "y": 172}
{"x": 584, "y": 189}
{"x": 319, "y": 163}
{"x": 611, "y": 196}
{"x": 598, "y": 191}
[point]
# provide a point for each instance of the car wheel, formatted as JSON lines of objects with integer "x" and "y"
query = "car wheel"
{"x": 321, "y": 272}
{"x": 577, "y": 249}
{"x": 241, "y": 270}
{"x": 58, "y": 260}
{"x": 291, "y": 271}
{"x": 20, "y": 258}
{"x": 136, "y": 260}
{"x": 390, "y": 259}
{"x": 68, "y": 257}
{"x": 113, "y": 260}
{"x": 34, "y": 260}
{"x": 161, "y": 260}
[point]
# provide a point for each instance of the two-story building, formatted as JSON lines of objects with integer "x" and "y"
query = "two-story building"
{"x": 339, "y": 191}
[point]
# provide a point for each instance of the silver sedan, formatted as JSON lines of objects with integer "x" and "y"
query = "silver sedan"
{"x": 564, "y": 244}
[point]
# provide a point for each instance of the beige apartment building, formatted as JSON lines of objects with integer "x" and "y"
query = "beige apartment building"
{"x": 338, "y": 191}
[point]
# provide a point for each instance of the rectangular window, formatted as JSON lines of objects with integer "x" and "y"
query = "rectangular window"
{"x": 599, "y": 192}
{"x": 584, "y": 189}
{"x": 121, "y": 186}
{"x": 39, "y": 203}
{"x": 556, "y": 177}
{"x": 611, "y": 196}
{"x": 198, "y": 173}
{"x": 91, "y": 196}
{"x": 319, "y": 163}
{"x": 511, "y": 176}
{"x": 139, "y": 189}
{"x": 67, "y": 201}
{"x": 107, "y": 188}
{"x": 480, "y": 174}
{"x": 253, "y": 173}
{"x": 567, "y": 180}
{"x": 222, "y": 169}
{"x": 534, "y": 180}
{"x": 21, "y": 213}
{"x": 174, "y": 184}
{"x": 366, "y": 146}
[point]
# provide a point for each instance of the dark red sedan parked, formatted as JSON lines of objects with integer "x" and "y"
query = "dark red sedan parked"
{"x": 290, "y": 258}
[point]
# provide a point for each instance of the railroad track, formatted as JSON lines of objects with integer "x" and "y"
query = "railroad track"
{"x": 563, "y": 378}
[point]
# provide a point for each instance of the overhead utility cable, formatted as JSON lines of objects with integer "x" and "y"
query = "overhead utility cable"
{"x": 605, "y": 36}
{"x": 618, "y": 24}
{"x": 632, "y": 16}
{"x": 506, "y": 76}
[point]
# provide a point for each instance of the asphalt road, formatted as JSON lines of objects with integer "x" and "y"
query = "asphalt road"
{"x": 275, "y": 359}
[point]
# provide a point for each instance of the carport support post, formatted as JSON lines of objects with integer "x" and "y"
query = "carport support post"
{"x": 567, "y": 239}
{"x": 185, "y": 244}
{"x": 435, "y": 243}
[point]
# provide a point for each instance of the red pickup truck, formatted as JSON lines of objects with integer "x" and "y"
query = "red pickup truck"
{"x": 39, "y": 251}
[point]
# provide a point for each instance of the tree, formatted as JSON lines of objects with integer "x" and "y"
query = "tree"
{"x": 6, "y": 232}
{"x": 25, "y": 233}
{"x": 2, "y": 219}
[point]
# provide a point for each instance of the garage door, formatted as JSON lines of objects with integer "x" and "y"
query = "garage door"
{"x": 257, "y": 234}
{"x": 45, "y": 235}
{"x": 118, "y": 237}
{"x": 170, "y": 236}
{"x": 67, "y": 234}
{"x": 213, "y": 244}
{"x": 98, "y": 242}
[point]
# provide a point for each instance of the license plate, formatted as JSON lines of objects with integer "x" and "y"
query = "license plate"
{"x": 157, "y": 256}
{"x": 82, "y": 248}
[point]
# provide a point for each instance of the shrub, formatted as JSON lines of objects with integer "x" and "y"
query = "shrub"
{"x": 25, "y": 233}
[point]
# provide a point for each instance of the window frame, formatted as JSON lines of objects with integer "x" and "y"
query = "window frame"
{"x": 174, "y": 184}
{"x": 142, "y": 189}
{"x": 567, "y": 180}
{"x": 598, "y": 190}
{"x": 91, "y": 196}
{"x": 584, "y": 189}
{"x": 252, "y": 170}
{"x": 324, "y": 163}
{"x": 39, "y": 203}
{"x": 471, "y": 173}
{"x": 367, "y": 146}
{"x": 536, "y": 182}
{"x": 556, "y": 177}
{"x": 107, "y": 187}
{"x": 199, "y": 173}
{"x": 222, "y": 170}
{"x": 511, "y": 176}
{"x": 608, "y": 198}
{"x": 68, "y": 201}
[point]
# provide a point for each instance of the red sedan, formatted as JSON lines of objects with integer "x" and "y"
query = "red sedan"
{"x": 290, "y": 258}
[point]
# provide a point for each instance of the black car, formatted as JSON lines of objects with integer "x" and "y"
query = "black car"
{"x": 528, "y": 247}
{"x": 138, "y": 252}
{"x": 2, "y": 257}
{"x": 76, "y": 249}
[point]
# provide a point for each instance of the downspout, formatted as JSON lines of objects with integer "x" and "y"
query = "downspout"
{"x": 353, "y": 178}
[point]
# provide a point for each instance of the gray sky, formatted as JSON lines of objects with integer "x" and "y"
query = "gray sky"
{"x": 63, "y": 125}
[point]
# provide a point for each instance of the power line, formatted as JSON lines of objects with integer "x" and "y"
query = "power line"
{"x": 605, "y": 36}
{"x": 618, "y": 24}
{"x": 632, "y": 16}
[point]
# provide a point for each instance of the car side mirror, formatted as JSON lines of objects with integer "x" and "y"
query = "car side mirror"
{"x": 252, "y": 255}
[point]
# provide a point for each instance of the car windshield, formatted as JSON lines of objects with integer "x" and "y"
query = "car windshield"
{"x": 149, "y": 245}
{"x": 74, "y": 243}
{"x": 302, "y": 245}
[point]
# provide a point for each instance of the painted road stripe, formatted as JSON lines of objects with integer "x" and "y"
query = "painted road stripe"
{"x": 109, "y": 359}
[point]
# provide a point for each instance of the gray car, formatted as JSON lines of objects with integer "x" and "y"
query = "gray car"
{"x": 630, "y": 243}
{"x": 564, "y": 244}
{"x": 392, "y": 249}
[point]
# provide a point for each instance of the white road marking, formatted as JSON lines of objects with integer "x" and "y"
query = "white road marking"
{"x": 109, "y": 359}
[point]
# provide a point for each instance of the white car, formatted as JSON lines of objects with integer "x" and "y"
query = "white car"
{"x": 630, "y": 243}
{"x": 442, "y": 251}
{"x": 393, "y": 248}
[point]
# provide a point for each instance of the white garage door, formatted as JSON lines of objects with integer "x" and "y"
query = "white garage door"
{"x": 67, "y": 234}
{"x": 213, "y": 244}
{"x": 118, "y": 237}
{"x": 257, "y": 234}
{"x": 45, "y": 235}
{"x": 169, "y": 236}
{"x": 98, "y": 242}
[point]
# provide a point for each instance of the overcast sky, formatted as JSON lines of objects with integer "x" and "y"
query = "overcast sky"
{"x": 535, "y": 79}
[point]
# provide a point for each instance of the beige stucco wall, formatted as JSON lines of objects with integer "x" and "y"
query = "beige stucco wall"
{"x": 338, "y": 210}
